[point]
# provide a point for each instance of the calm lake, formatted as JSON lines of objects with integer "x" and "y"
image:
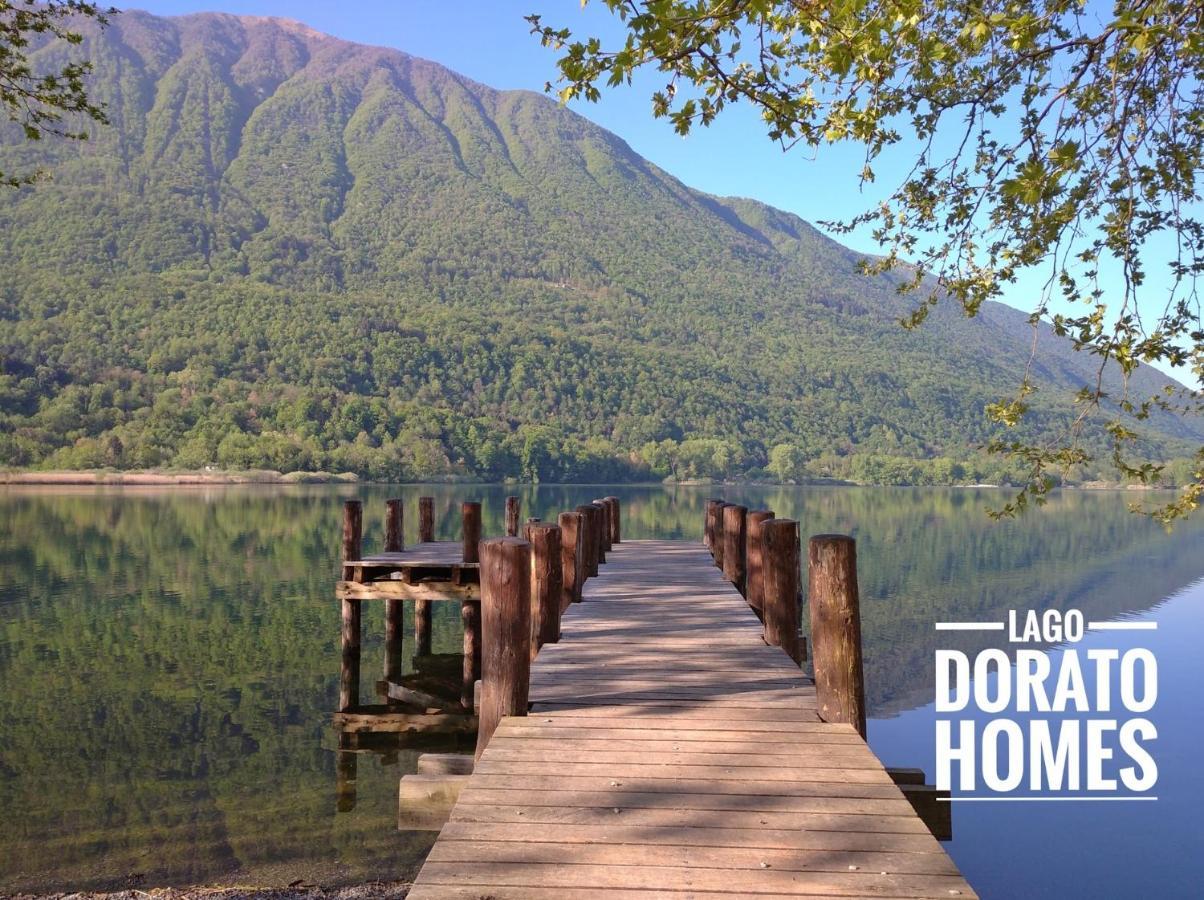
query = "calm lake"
{"x": 169, "y": 663}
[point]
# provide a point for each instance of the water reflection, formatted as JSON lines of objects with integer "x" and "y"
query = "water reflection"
{"x": 169, "y": 660}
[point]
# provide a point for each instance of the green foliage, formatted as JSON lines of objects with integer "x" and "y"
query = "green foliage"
{"x": 1056, "y": 138}
{"x": 294, "y": 253}
{"x": 36, "y": 101}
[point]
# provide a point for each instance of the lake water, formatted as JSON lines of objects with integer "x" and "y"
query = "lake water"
{"x": 169, "y": 662}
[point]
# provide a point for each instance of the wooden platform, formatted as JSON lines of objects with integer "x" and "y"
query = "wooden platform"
{"x": 670, "y": 753}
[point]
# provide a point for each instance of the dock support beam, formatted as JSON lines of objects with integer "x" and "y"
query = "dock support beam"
{"x": 470, "y": 529}
{"x": 513, "y": 505}
{"x": 836, "y": 629}
{"x": 601, "y": 529}
{"x": 754, "y": 572}
{"x": 394, "y": 526}
{"x": 349, "y": 672}
{"x": 780, "y": 561}
{"x": 733, "y": 544}
{"x": 394, "y": 629}
{"x": 710, "y": 526}
{"x": 717, "y": 538}
{"x": 589, "y": 540}
{"x": 571, "y": 531}
{"x": 616, "y": 525}
{"x": 506, "y": 621}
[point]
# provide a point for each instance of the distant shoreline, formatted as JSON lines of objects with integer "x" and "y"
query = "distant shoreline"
{"x": 114, "y": 478}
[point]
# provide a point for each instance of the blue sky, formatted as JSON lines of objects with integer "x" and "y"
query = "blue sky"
{"x": 489, "y": 41}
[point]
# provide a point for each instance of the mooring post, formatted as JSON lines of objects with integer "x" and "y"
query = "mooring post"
{"x": 513, "y": 505}
{"x": 470, "y": 529}
{"x": 616, "y": 524}
{"x": 506, "y": 622}
{"x": 717, "y": 539}
{"x": 349, "y": 669}
{"x": 546, "y": 584}
{"x": 600, "y": 528}
{"x": 394, "y": 519}
{"x": 571, "y": 531}
{"x": 708, "y": 524}
{"x": 589, "y": 548}
{"x": 426, "y": 519}
{"x": 526, "y": 529}
{"x": 836, "y": 629}
{"x": 733, "y": 544}
{"x": 607, "y": 524}
{"x": 754, "y": 573}
{"x": 780, "y": 577}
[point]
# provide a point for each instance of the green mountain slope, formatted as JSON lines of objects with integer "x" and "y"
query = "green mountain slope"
{"x": 291, "y": 251}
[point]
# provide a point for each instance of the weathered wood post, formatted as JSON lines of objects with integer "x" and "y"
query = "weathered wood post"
{"x": 717, "y": 540}
{"x": 754, "y": 578}
{"x": 733, "y": 544}
{"x": 513, "y": 505}
{"x": 470, "y": 618}
{"x": 506, "y": 620}
{"x": 616, "y": 525}
{"x": 589, "y": 552}
{"x": 709, "y": 526}
{"x": 836, "y": 629}
{"x": 394, "y": 643}
{"x": 426, "y": 519}
{"x": 546, "y": 584}
{"x": 349, "y": 670}
{"x": 422, "y": 627}
{"x": 780, "y": 567}
{"x": 607, "y": 524}
{"x": 571, "y": 531}
{"x": 470, "y": 529}
{"x": 526, "y": 529}
{"x": 600, "y": 528}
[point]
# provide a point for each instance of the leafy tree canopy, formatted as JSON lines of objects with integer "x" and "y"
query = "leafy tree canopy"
{"x": 38, "y": 101}
{"x": 1057, "y": 136}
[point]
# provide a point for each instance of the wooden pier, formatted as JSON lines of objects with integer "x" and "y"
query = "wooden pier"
{"x": 667, "y": 745}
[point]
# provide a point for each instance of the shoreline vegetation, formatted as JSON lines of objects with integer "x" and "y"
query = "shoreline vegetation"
{"x": 212, "y": 476}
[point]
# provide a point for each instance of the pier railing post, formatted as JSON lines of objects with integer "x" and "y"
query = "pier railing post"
{"x": 470, "y": 529}
{"x": 708, "y": 524}
{"x": 754, "y": 571}
{"x": 780, "y": 568}
{"x": 394, "y": 643}
{"x": 513, "y": 505}
{"x": 836, "y": 629}
{"x": 394, "y": 525}
{"x": 717, "y": 537}
{"x": 607, "y": 523}
{"x": 349, "y": 671}
{"x": 616, "y": 525}
{"x": 571, "y": 530}
{"x": 506, "y": 626}
{"x": 546, "y": 584}
{"x": 733, "y": 544}
{"x": 426, "y": 519}
{"x": 600, "y": 529}
{"x": 589, "y": 540}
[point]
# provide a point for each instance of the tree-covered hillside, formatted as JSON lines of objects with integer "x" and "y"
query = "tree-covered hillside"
{"x": 293, "y": 252}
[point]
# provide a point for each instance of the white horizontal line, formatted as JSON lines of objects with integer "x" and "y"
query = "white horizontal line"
{"x": 969, "y": 626}
{"x": 970, "y": 799}
{"x": 1122, "y": 626}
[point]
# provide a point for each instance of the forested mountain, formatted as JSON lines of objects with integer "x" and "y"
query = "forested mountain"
{"x": 294, "y": 252}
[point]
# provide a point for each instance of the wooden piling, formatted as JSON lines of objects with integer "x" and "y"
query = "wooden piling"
{"x": 709, "y": 527}
{"x": 717, "y": 540}
{"x": 733, "y": 544}
{"x": 513, "y": 505}
{"x": 546, "y": 584}
{"x": 470, "y": 618}
{"x": 571, "y": 531}
{"x": 506, "y": 623}
{"x": 349, "y": 670}
{"x": 426, "y": 519}
{"x": 589, "y": 550}
{"x": 754, "y": 581}
{"x": 607, "y": 527}
{"x": 780, "y": 577}
{"x": 394, "y": 521}
{"x": 470, "y": 529}
{"x": 616, "y": 526}
{"x": 836, "y": 629}
{"x": 422, "y": 627}
{"x": 600, "y": 528}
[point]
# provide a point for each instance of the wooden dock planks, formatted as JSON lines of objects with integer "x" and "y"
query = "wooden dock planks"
{"x": 670, "y": 753}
